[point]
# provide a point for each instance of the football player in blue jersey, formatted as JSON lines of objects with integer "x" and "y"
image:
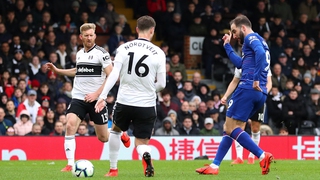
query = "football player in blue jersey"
{"x": 249, "y": 96}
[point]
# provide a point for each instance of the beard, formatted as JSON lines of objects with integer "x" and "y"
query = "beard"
{"x": 241, "y": 38}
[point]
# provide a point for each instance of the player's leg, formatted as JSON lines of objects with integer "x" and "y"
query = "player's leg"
{"x": 143, "y": 126}
{"x": 75, "y": 112}
{"x": 255, "y": 135}
{"x": 239, "y": 153}
{"x": 121, "y": 121}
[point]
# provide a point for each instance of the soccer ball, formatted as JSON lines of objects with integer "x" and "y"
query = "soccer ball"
{"x": 82, "y": 168}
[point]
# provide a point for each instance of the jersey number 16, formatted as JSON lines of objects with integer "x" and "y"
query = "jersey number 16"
{"x": 139, "y": 65}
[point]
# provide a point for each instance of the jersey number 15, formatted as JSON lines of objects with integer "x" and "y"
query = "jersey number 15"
{"x": 139, "y": 65}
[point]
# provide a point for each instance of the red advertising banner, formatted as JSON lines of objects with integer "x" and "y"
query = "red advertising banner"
{"x": 163, "y": 148}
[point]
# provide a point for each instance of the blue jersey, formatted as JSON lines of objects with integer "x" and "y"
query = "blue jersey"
{"x": 255, "y": 61}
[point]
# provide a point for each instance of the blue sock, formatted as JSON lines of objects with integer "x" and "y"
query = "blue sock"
{"x": 245, "y": 141}
{"x": 223, "y": 148}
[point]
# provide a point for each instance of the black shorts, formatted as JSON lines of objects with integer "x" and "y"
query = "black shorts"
{"x": 81, "y": 109}
{"x": 142, "y": 119}
{"x": 259, "y": 115}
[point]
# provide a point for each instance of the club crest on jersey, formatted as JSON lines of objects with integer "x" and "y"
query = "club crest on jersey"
{"x": 252, "y": 38}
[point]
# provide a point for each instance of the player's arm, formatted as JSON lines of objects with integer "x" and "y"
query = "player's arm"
{"x": 234, "y": 58}
{"x": 161, "y": 73}
{"x": 259, "y": 55}
{"x": 111, "y": 80}
{"x": 66, "y": 72}
{"x": 269, "y": 83}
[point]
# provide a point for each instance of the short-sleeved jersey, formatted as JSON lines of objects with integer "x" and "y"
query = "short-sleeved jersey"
{"x": 141, "y": 61}
{"x": 90, "y": 73}
{"x": 238, "y": 73}
{"x": 255, "y": 62}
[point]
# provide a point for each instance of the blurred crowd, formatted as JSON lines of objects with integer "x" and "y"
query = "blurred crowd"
{"x": 33, "y": 100}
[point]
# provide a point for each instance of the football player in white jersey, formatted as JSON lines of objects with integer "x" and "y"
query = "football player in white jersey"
{"x": 256, "y": 119}
{"x": 93, "y": 64}
{"x": 141, "y": 66}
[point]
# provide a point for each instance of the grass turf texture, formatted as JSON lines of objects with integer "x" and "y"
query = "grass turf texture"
{"x": 175, "y": 170}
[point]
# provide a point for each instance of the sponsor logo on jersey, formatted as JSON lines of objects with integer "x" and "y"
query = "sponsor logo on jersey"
{"x": 88, "y": 70}
{"x": 85, "y": 69}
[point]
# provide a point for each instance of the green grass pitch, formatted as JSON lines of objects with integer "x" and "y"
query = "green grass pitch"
{"x": 166, "y": 170}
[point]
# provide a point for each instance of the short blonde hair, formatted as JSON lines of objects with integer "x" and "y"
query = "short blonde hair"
{"x": 87, "y": 26}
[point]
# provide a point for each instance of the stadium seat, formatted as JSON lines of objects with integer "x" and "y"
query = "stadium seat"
{"x": 307, "y": 127}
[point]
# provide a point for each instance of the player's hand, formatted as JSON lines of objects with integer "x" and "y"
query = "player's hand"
{"x": 100, "y": 104}
{"x": 51, "y": 67}
{"x": 224, "y": 100}
{"x": 226, "y": 38}
{"x": 256, "y": 86}
{"x": 91, "y": 97}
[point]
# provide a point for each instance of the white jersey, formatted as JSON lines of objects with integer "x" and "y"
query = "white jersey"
{"x": 238, "y": 73}
{"x": 90, "y": 73}
{"x": 141, "y": 61}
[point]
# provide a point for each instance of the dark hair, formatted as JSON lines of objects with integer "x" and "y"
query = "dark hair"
{"x": 165, "y": 91}
{"x": 241, "y": 20}
{"x": 145, "y": 23}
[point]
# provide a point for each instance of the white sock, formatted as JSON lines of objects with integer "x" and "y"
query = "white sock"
{"x": 70, "y": 148}
{"x": 142, "y": 149}
{"x": 214, "y": 166}
{"x": 262, "y": 156}
{"x": 114, "y": 146}
{"x": 256, "y": 139}
{"x": 239, "y": 150}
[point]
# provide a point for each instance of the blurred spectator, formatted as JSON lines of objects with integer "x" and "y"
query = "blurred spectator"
{"x": 313, "y": 106}
{"x": 36, "y": 130}
{"x": 34, "y": 67}
{"x": 70, "y": 24}
{"x": 315, "y": 77}
{"x": 212, "y": 53}
{"x": 304, "y": 26}
{"x": 32, "y": 45}
{"x": 167, "y": 103}
{"x": 31, "y": 105}
{"x": 262, "y": 26}
{"x": 301, "y": 65}
{"x": 184, "y": 111}
{"x": 198, "y": 6}
{"x": 75, "y": 12}
{"x": 102, "y": 27}
{"x": 208, "y": 129}
{"x": 198, "y": 122}
{"x": 207, "y": 16}
{"x": 41, "y": 76}
{"x": 54, "y": 84}
{"x": 167, "y": 128}
{"x": 11, "y": 22}
{"x": 274, "y": 104}
{"x": 66, "y": 92}
{"x": 176, "y": 124}
{"x": 16, "y": 44}
{"x": 286, "y": 67}
{"x": 308, "y": 8}
{"x": 293, "y": 111}
{"x": 4, "y": 123}
{"x": 10, "y": 111}
{"x": 283, "y": 9}
{"x": 176, "y": 65}
{"x": 187, "y": 129}
{"x": 93, "y": 11}
{"x": 17, "y": 97}
{"x": 24, "y": 124}
{"x": 306, "y": 84}
{"x": 72, "y": 45}
{"x": 174, "y": 33}
{"x": 20, "y": 10}
{"x": 165, "y": 19}
{"x": 38, "y": 11}
{"x": 291, "y": 55}
{"x": 276, "y": 49}
{"x": 283, "y": 131}
{"x": 49, "y": 123}
{"x": 197, "y": 28}
{"x": 24, "y": 32}
{"x": 204, "y": 93}
{"x": 278, "y": 78}
{"x": 126, "y": 29}
{"x": 62, "y": 33}
{"x": 309, "y": 57}
{"x": 4, "y": 35}
{"x": 58, "y": 129}
{"x": 265, "y": 130}
{"x": 218, "y": 121}
{"x": 188, "y": 90}
{"x": 10, "y": 131}
{"x": 260, "y": 11}
{"x": 45, "y": 93}
{"x": 218, "y": 24}
{"x": 62, "y": 55}
{"x": 50, "y": 45}
{"x": 115, "y": 39}
{"x": 82, "y": 130}
{"x": 31, "y": 25}
{"x": 177, "y": 83}
{"x": 155, "y": 7}
{"x": 62, "y": 118}
{"x": 111, "y": 15}
{"x": 46, "y": 22}
{"x": 5, "y": 53}
{"x": 179, "y": 98}
{"x": 189, "y": 15}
